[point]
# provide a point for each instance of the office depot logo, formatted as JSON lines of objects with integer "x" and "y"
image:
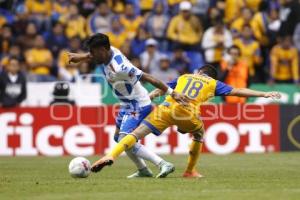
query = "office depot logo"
{"x": 33, "y": 131}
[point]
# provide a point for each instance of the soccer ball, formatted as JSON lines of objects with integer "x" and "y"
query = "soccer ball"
{"x": 80, "y": 167}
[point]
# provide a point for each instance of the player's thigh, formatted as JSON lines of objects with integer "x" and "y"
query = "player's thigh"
{"x": 190, "y": 125}
{"x": 141, "y": 131}
{"x": 158, "y": 120}
{"x": 132, "y": 119}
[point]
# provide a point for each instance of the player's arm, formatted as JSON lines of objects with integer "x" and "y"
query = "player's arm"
{"x": 223, "y": 89}
{"x": 165, "y": 89}
{"x": 245, "y": 92}
{"x": 79, "y": 57}
{"x": 158, "y": 92}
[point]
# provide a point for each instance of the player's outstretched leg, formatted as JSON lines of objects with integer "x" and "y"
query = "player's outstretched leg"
{"x": 100, "y": 164}
{"x": 125, "y": 144}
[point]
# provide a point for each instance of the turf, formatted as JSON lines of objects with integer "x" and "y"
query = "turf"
{"x": 238, "y": 176}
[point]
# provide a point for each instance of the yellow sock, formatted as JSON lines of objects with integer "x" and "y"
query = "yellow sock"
{"x": 127, "y": 142}
{"x": 194, "y": 154}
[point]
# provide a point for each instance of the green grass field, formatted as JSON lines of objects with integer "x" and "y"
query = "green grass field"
{"x": 238, "y": 176}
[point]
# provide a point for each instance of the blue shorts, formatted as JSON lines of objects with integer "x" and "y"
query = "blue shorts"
{"x": 129, "y": 119}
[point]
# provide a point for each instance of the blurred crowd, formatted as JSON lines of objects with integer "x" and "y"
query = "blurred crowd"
{"x": 249, "y": 41}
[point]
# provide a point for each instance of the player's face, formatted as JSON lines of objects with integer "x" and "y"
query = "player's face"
{"x": 100, "y": 55}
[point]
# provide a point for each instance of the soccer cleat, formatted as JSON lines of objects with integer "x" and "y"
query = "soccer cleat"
{"x": 193, "y": 174}
{"x": 99, "y": 164}
{"x": 166, "y": 168}
{"x": 142, "y": 173}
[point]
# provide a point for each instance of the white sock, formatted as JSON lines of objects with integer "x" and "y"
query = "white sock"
{"x": 139, "y": 162}
{"x": 142, "y": 152}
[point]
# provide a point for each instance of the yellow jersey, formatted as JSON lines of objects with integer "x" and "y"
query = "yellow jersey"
{"x": 131, "y": 25}
{"x": 34, "y": 55}
{"x": 284, "y": 63}
{"x": 188, "y": 32}
{"x": 39, "y": 7}
{"x": 146, "y": 4}
{"x": 251, "y": 53}
{"x": 199, "y": 88}
{"x": 117, "y": 39}
{"x": 258, "y": 25}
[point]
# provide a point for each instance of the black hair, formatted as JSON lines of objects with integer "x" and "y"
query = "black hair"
{"x": 98, "y": 40}
{"x": 209, "y": 70}
{"x": 234, "y": 47}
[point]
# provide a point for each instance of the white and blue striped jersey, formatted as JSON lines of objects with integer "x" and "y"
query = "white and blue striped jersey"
{"x": 124, "y": 77}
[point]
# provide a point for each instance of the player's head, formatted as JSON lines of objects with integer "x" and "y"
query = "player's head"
{"x": 209, "y": 70}
{"x": 99, "y": 47}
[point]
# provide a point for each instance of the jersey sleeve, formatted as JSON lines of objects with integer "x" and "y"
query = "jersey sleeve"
{"x": 222, "y": 89}
{"x": 172, "y": 84}
{"x": 134, "y": 74}
{"x": 127, "y": 70}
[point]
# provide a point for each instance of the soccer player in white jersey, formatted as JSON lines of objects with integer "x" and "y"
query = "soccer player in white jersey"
{"x": 124, "y": 78}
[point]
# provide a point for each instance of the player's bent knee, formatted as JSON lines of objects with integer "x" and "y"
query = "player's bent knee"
{"x": 141, "y": 131}
{"x": 198, "y": 136}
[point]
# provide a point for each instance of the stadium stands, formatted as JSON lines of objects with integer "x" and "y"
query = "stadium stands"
{"x": 26, "y": 24}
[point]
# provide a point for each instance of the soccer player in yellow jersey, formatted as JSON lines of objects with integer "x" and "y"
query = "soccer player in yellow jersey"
{"x": 199, "y": 88}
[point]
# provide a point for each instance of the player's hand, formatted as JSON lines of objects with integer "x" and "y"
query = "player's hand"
{"x": 273, "y": 95}
{"x": 180, "y": 98}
